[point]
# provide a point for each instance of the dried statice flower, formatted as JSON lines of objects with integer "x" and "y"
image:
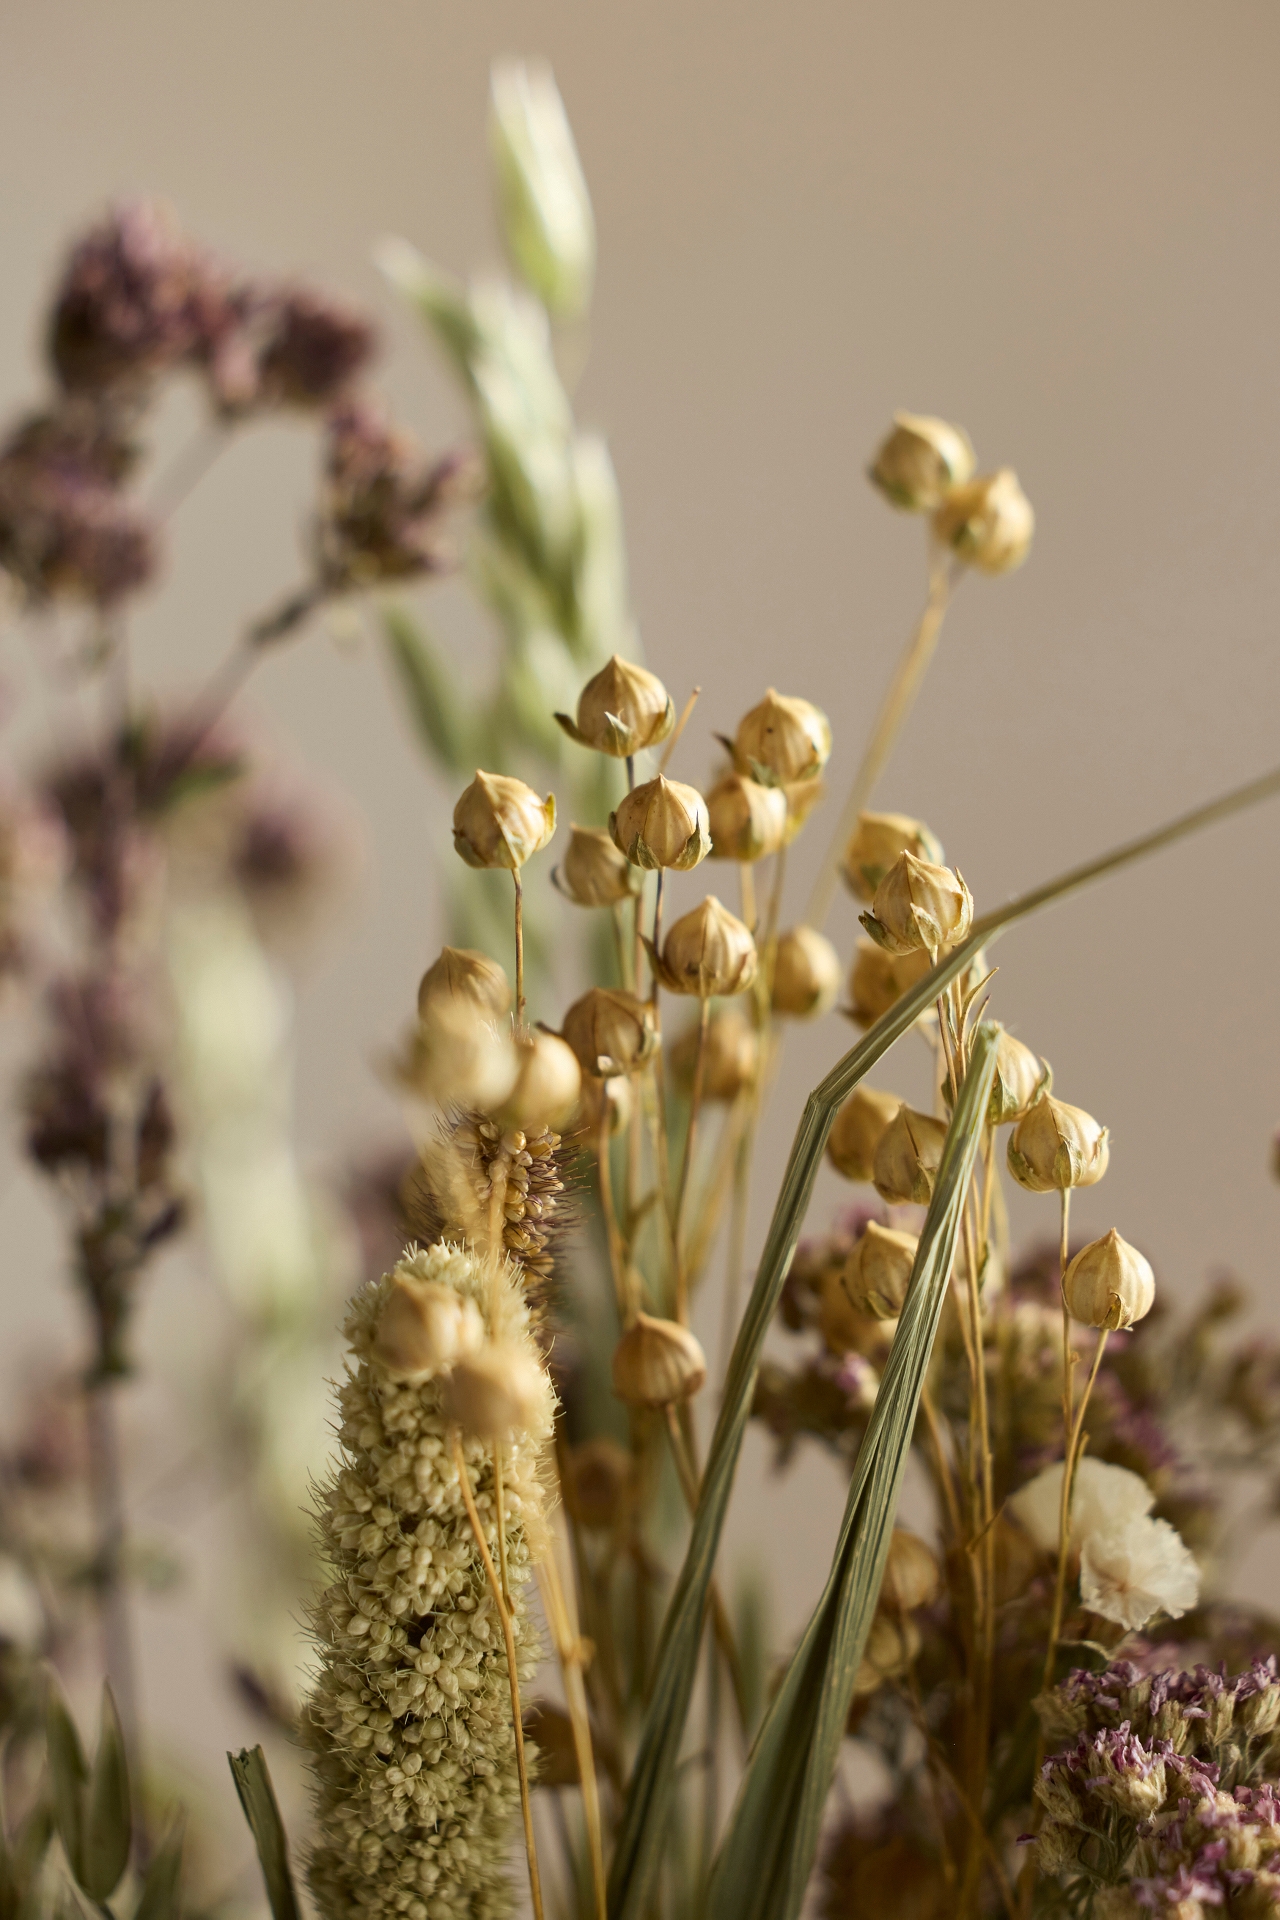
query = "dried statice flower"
{"x": 67, "y": 531}
{"x": 1229, "y": 1723}
{"x": 410, "y": 1720}
{"x": 314, "y": 349}
{"x": 134, "y": 301}
{"x": 383, "y": 506}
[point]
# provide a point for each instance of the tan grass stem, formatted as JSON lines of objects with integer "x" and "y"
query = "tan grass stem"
{"x": 570, "y": 1652}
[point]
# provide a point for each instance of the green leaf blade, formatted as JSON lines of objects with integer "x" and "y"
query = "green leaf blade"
{"x": 257, "y": 1798}
{"x": 68, "y": 1775}
{"x": 108, "y": 1827}
{"x": 430, "y": 696}
{"x": 159, "y": 1897}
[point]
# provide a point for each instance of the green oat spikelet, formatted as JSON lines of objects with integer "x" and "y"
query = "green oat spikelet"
{"x": 409, "y": 1724}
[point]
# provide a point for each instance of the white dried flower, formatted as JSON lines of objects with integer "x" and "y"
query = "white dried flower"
{"x": 410, "y": 1720}
{"x": 1103, "y": 1495}
{"x": 1136, "y": 1568}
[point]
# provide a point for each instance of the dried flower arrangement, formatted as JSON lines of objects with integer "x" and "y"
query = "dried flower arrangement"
{"x": 1065, "y": 1724}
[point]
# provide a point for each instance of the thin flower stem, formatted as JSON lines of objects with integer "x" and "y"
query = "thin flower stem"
{"x": 687, "y": 1474}
{"x": 695, "y": 1103}
{"x": 747, "y": 884}
{"x": 1068, "y": 1357}
{"x": 680, "y": 726}
{"x": 501, "y": 1519}
{"x": 188, "y": 468}
{"x": 627, "y": 1305}
{"x": 1070, "y": 1462}
{"x": 570, "y": 1654}
{"x": 509, "y": 1641}
{"x": 943, "y": 1466}
{"x": 898, "y": 702}
{"x": 110, "y": 1585}
{"x": 515, "y": 875}
{"x": 985, "y": 1626}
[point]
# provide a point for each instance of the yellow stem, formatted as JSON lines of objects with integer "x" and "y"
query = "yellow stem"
{"x": 570, "y": 1653}
{"x": 695, "y": 1103}
{"x": 680, "y": 726}
{"x": 515, "y": 875}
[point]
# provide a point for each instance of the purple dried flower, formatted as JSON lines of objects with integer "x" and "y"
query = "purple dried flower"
{"x": 315, "y": 349}
{"x": 134, "y": 301}
{"x": 383, "y": 505}
{"x": 66, "y": 530}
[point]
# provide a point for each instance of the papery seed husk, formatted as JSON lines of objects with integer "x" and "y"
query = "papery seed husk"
{"x": 622, "y": 710}
{"x": 920, "y": 461}
{"x": 599, "y": 1477}
{"x": 908, "y": 1157}
{"x": 423, "y": 1329}
{"x": 730, "y": 1056}
{"x": 748, "y": 821}
{"x": 657, "y": 1363}
{"x": 709, "y": 952}
{"x": 878, "y": 1270}
{"x": 782, "y": 739}
{"x": 892, "y": 1644}
{"x": 613, "y": 1095}
{"x": 662, "y": 823}
{"x": 911, "y": 1576}
{"x": 500, "y": 822}
{"x": 548, "y": 1083}
{"x": 988, "y": 521}
{"x": 1020, "y": 1078}
{"x": 611, "y": 1031}
{"x": 879, "y": 979}
{"x": 497, "y": 1392}
{"x": 1109, "y": 1284}
{"x": 857, "y": 1130}
{"x": 877, "y": 841}
{"x": 919, "y": 904}
{"x": 593, "y": 872}
{"x": 806, "y": 973}
{"x": 1055, "y": 1146}
{"x": 467, "y": 975}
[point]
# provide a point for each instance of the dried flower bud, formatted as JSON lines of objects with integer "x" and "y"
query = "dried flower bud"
{"x": 988, "y": 522}
{"x": 781, "y": 740}
{"x": 424, "y": 1328}
{"x": 1055, "y": 1146}
{"x": 460, "y": 1058}
{"x": 878, "y": 840}
{"x": 858, "y": 1128}
{"x": 621, "y": 710}
{"x": 878, "y": 1270}
{"x": 1021, "y": 1077}
{"x": 730, "y": 1056}
{"x": 748, "y": 821}
{"x": 892, "y": 1644}
{"x": 462, "y": 975}
{"x": 802, "y": 797}
{"x": 806, "y": 973}
{"x": 548, "y": 1083}
{"x": 546, "y": 211}
{"x": 911, "y": 1577}
{"x": 879, "y": 979}
{"x": 611, "y": 1031}
{"x": 657, "y": 1363}
{"x": 499, "y": 822}
{"x": 498, "y": 1392}
{"x": 908, "y": 1157}
{"x": 662, "y": 823}
{"x": 593, "y": 873}
{"x": 920, "y": 461}
{"x": 708, "y": 952}
{"x": 599, "y": 1479}
{"x": 598, "y": 1097}
{"x": 919, "y": 904}
{"x": 1109, "y": 1284}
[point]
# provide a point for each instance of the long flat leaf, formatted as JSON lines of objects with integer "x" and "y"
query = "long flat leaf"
{"x": 108, "y": 1828}
{"x": 640, "y": 1839}
{"x": 159, "y": 1897}
{"x": 763, "y": 1865}
{"x": 68, "y": 1774}
{"x": 430, "y": 693}
{"x": 257, "y": 1797}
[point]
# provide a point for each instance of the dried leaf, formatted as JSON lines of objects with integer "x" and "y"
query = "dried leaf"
{"x": 257, "y": 1797}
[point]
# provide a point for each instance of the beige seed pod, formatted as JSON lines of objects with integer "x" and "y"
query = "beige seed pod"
{"x": 548, "y": 1083}
{"x": 729, "y": 1060}
{"x": 657, "y": 1363}
{"x": 599, "y": 1480}
{"x": 802, "y": 797}
{"x": 911, "y": 1576}
{"x": 876, "y": 842}
{"x": 708, "y": 952}
{"x": 878, "y": 1270}
{"x": 908, "y": 1157}
{"x": 598, "y": 1096}
{"x": 919, "y": 905}
{"x": 662, "y": 823}
{"x": 621, "y": 710}
{"x": 845, "y": 1330}
{"x": 988, "y": 522}
{"x": 423, "y": 1329}
{"x": 1021, "y": 1077}
{"x": 806, "y": 973}
{"x": 781, "y": 740}
{"x": 892, "y": 1644}
{"x": 498, "y": 1392}
{"x": 459, "y": 1057}
{"x": 500, "y": 822}
{"x": 920, "y": 461}
{"x": 1109, "y": 1284}
{"x": 593, "y": 873}
{"x": 1055, "y": 1146}
{"x": 879, "y": 979}
{"x": 748, "y": 820}
{"x": 857, "y": 1130}
{"x": 611, "y": 1031}
{"x": 464, "y": 975}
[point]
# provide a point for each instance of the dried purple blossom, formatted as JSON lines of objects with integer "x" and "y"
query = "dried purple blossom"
{"x": 292, "y": 347}
{"x": 383, "y": 505}
{"x": 135, "y": 300}
{"x": 66, "y": 528}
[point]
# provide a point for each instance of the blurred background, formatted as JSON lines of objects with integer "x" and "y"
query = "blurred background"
{"x": 1056, "y": 226}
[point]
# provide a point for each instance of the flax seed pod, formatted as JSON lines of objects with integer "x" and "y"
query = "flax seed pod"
{"x": 806, "y": 974}
{"x": 748, "y": 820}
{"x": 423, "y": 1328}
{"x": 876, "y": 842}
{"x": 730, "y": 1056}
{"x": 859, "y": 1126}
{"x": 621, "y": 710}
{"x": 879, "y": 979}
{"x": 919, "y": 904}
{"x": 1109, "y": 1284}
{"x": 908, "y": 1157}
{"x": 782, "y": 739}
{"x": 920, "y": 461}
{"x": 877, "y": 1273}
{"x": 463, "y": 976}
{"x": 657, "y": 1363}
{"x": 708, "y": 952}
{"x": 593, "y": 872}
{"x": 662, "y": 823}
{"x": 611, "y": 1031}
{"x": 1055, "y": 1146}
{"x": 500, "y": 822}
{"x": 911, "y": 1576}
{"x": 988, "y": 522}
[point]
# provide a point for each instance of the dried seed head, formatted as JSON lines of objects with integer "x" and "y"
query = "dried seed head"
{"x": 858, "y": 1129}
{"x": 877, "y": 841}
{"x": 878, "y": 979}
{"x": 1109, "y": 1284}
{"x": 1055, "y": 1146}
{"x": 548, "y": 1083}
{"x": 498, "y": 1392}
{"x": 919, "y": 905}
{"x": 806, "y": 973}
{"x": 459, "y": 1057}
{"x": 1021, "y": 1077}
{"x": 908, "y": 1157}
{"x": 988, "y": 522}
{"x": 845, "y": 1330}
{"x": 528, "y": 1167}
{"x": 748, "y": 820}
{"x": 599, "y": 1479}
{"x": 729, "y": 1059}
{"x": 593, "y": 873}
{"x": 500, "y": 822}
{"x": 622, "y": 710}
{"x": 657, "y": 1363}
{"x": 892, "y": 1644}
{"x": 920, "y": 461}
{"x": 662, "y": 823}
{"x": 802, "y": 797}
{"x": 598, "y": 1097}
{"x": 708, "y": 952}
{"x": 424, "y": 1328}
{"x": 878, "y": 1269}
{"x": 464, "y": 976}
{"x": 781, "y": 740}
{"x": 611, "y": 1031}
{"x": 911, "y": 1575}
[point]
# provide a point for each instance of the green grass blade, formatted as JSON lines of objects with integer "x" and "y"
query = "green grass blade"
{"x": 108, "y": 1827}
{"x": 257, "y": 1797}
{"x": 763, "y": 1866}
{"x": 640, "y": 1839}
{"x": 68, "y": 1775}
{"x": 159, "y": 1899}
{"x": 430, "y": 693}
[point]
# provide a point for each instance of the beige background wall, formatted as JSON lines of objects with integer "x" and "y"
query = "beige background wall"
{"x": 1055, "y": 224}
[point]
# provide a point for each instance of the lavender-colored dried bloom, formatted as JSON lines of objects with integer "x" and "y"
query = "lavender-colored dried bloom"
{"x": 66, "y": 529}
{"x": 315, "y": 349}
{"x": 133, "y": 301}
{"x": 383, "y": 505}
